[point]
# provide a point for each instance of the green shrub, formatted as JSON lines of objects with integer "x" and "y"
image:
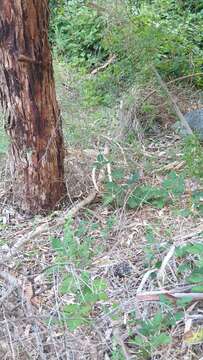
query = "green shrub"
{"x": 166, "y": 33}
{"x": 159, "y": 34}
{"x": 193, "y": 156}
{"x": 73, "y": 255}
{"x": 76, "y": 32}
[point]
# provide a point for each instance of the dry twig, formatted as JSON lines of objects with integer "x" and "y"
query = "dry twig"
{"x": 105, "y": 65}
{"x": 171, "y": 82}
{"x": 173, "y": 103}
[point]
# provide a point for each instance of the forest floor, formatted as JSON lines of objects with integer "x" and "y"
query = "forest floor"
{"x": 121, "y": 278}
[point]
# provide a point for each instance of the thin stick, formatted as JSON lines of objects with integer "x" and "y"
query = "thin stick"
{"x": 171, "y": 82}
{"x": 173, "y": 102}
{"x": 144, "y": 280}
{"x": 10, "y": 338}
{"x": 104, "y": 66}
{"x": 155, "y": 295}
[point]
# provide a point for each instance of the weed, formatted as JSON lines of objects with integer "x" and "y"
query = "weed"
{"x": 74, "y": 253}
{"x": 171, "y": 188}
{"x": 152, "y": 334}
{"x": 193, "y": 156}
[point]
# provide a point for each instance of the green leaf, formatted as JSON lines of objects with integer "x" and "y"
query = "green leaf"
{"x": 174, "y": 184}
{"x": 165, "y": 300}
{"x": 162, "y": 339}
{"x": 68, "y": 285}
{"x": 101, "y": 161}
{"x": 57, "y": 245}
{"x": 196, "y": 249}
{"x": 157, "y": 320}
{"x": 108, "y": 199}
{"x": 179, "y": 315}
{"x": 197, "y": 199}
{"x": 184, "y": 301}
{"x": 145, "y": 194}
{"x": 98, "y": 285}
{"x": 196, "y": 276}
{"x": 76, "y": 315}
{"x": 133, "y": 178}
{"x": 138, "y": 340}
{"x": 150, "y": 235}
{"x": 118, "y": 174}
{"x": 198, "y": 288}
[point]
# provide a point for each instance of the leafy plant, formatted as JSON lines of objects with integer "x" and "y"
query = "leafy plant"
{"x": 72, "y": 258}
{"x": 192, "y": 253}
{"x": 152, "y": 334}
{"x": 76, "y": 32}
{"x": 197, "y": 201}
{"x": 193, "y": 156}
{"x": 172, "y": 187}
{"x": 166, "y": 33}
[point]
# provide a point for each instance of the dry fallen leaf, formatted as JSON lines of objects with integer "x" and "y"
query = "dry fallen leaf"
{"x": 193, "y": 337}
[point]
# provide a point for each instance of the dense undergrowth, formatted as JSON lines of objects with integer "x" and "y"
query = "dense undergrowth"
{"x": 167, "y": 34}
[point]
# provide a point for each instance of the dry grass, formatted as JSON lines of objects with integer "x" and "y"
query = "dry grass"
{"x": 30, "y": 319}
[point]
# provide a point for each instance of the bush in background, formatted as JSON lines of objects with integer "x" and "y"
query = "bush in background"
{"x": 165, "y": 33}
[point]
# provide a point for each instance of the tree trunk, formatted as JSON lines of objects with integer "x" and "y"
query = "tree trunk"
{"x": 27, "y": 91}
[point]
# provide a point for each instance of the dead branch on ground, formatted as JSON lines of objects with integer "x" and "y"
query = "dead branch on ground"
{"x": 173, "y": 103}
{"x": 104, "y": 66}
{"x": 172, "y": 82}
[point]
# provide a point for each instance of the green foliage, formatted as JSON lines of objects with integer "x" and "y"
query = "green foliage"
{"x": 192, "y": 253}
{"x": 193, "y": 156}
{"x": 197, "y": 202}
{"x": 117, "y": 354}
{"x": 171, "y": 188}
{"x": 74, "y": 252}
{"x": 152, "y": 334}
{"x": 86, "y": 293}
{"x": 165, "y": 33}
{"x": 159, "y": 34}
{"x": 76, "y": 32}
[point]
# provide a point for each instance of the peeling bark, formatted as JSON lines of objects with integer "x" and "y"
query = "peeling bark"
{"x": 27, "y": 91}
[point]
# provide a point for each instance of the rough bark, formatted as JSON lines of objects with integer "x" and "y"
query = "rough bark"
{"x": 28, "y": 92}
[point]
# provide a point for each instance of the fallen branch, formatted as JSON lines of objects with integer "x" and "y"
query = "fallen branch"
{"x": 180, "y": 239}
{"x": 173, "y": 295}
{"x": 173, "y": 102}
{"x": 104, "y": 66}
{"x": 96, "y": 7}
{"x": 171, "y": 82}
{"x": 175, "y": 165}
